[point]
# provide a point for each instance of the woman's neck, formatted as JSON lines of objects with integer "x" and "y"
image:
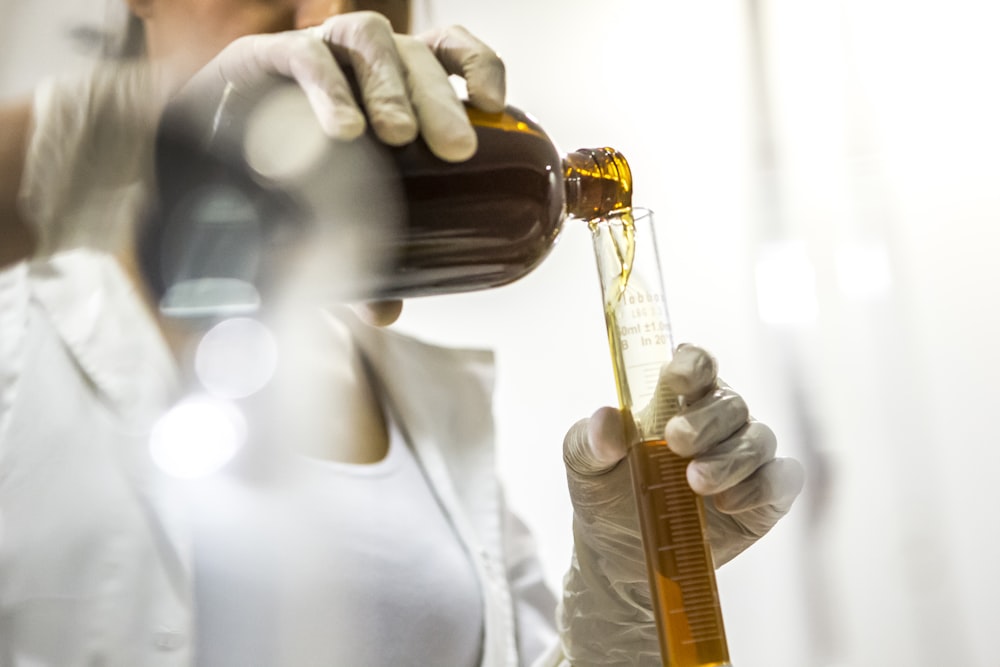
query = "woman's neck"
{"x": 326, "y": 396}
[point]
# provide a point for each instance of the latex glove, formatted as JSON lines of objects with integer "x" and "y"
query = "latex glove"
{"x": 606, "y": 613}
{"x": 403, "y": 80}
{"x": 733, "y": 464}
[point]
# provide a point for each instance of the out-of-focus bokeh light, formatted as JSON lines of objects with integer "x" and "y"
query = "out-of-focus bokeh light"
{"x": 236, "y": 358}
{"x": 197, "y": 437}
{"x": 276, "y": 148}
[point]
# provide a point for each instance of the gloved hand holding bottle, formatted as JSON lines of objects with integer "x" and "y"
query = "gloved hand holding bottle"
{"x": 402, "y": 79}
{"x": 606, "y": 614}
{"x": 403, "y": 88}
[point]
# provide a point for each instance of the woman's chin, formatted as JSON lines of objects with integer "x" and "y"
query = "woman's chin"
{"x": 379, "y": 313}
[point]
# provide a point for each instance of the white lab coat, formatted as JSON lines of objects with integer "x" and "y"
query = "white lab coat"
{"x": 94, "y": 563}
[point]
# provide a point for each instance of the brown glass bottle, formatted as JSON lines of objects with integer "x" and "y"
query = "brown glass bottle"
{"x": 492, "y": 219}
{"x": 463, "y": 226}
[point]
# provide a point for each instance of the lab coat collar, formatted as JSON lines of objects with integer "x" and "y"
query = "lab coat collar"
{"x": 101, "y": 320}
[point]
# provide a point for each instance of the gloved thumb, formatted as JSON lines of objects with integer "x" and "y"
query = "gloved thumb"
{"x": 594, "y": 446}
{"x": 605, "y": 616}
{"x": 592, "y": 451}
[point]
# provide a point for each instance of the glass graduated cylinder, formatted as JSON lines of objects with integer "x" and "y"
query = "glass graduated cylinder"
{"x": 671, "y": 516}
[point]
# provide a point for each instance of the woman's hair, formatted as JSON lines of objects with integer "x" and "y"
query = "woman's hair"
{"x": 131, "y": 42}
{"x": 122, "y": 35}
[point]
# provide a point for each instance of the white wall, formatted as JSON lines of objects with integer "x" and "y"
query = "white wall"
{"x": 883, "y": 145}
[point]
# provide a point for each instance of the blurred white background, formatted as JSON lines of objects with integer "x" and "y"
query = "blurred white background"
{"x": 825, "y": 176}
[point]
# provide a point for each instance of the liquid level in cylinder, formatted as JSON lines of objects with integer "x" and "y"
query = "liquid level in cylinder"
{"x": 679, "y": 559}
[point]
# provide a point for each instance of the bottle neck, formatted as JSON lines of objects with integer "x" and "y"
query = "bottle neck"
{"x": 598, "y": 182}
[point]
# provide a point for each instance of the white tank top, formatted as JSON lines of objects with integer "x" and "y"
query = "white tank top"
{"x": 339, "y": 565}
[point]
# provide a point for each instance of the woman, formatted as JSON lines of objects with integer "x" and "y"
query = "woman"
{"x": 373, "y": 534}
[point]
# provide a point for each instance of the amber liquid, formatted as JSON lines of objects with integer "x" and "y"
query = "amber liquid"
{"x": 679, "y": 559}
{"x": 671, "y": 517}
{"x": 480, "y": 223}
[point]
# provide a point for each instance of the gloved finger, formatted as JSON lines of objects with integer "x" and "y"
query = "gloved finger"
{"x": 463, "y": 54}
{"x": 740, "y": 516}
{"x": 707, "y": 422}
{"x": 733, "y": 460}
{"x": 594, "y": 446}
{"x": 303, "y": 56}
{"x": 768, "y": 493}
{"x": 691, "y": 373}
{"x": 443, "y": 122}
{"x": 366, "y": 41}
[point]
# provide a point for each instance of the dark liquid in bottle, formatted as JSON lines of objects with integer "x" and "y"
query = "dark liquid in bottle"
{"x": 479, "y": 223}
